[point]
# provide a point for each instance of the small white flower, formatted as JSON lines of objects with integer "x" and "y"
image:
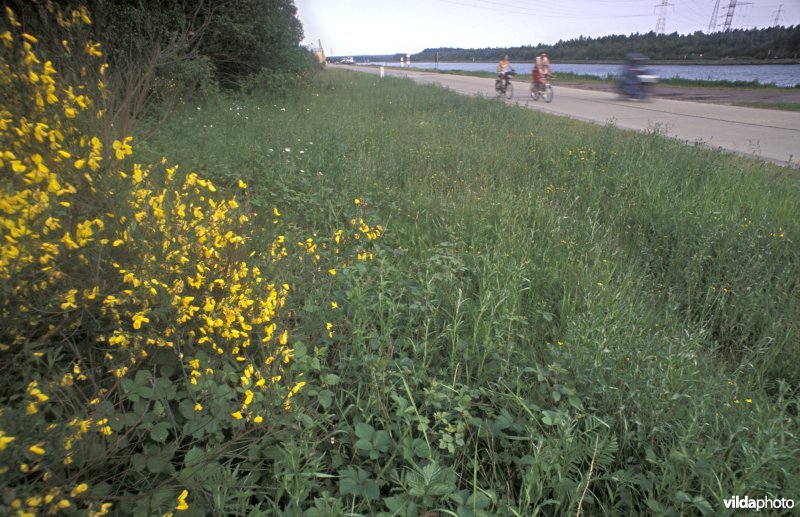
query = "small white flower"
{"x": 287, "y": 150}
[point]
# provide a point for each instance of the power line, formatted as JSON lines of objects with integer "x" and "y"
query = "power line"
{"x": 729, "y": 14}
{"x": 777, "y": 19}
{"x": 661, "y": 24}
{"x": 712, "y": 25}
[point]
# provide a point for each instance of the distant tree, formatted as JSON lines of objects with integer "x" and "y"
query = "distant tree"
{"x": 751, "y": 44}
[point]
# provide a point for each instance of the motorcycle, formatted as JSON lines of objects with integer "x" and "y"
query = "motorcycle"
{"x": 636, "y": 82}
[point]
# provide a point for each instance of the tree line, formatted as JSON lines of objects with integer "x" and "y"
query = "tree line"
{"x": 161, "y": 54}
{"x": 742, "y": 44}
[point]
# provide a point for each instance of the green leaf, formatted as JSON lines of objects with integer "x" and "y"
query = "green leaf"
{"x": 401, "y": 507}
{"x": 656, "y": 507}
{"x": 128, "y": 386}
{"x": 186, "y": 409}
{"x": 145, "y": 392}
{"x": 364, "y": 430}
{"x": 157, "y": 464}
{"x": 364, "y": 445}
{"x": 158, "y": 408}
{"x": 331, "y": 379}
{"x": 381, "y": 440}
{"x": 704, "y": 506}
{"x": 194, "y": 457}
{"x": 550, "y": 417}
{"x": 160, "y": 432}
{"x": 325, "y": 398}
{"x": 139, "y": 462}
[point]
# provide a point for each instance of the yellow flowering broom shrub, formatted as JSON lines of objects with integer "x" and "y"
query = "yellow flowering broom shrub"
{"x": 138, "y": 326}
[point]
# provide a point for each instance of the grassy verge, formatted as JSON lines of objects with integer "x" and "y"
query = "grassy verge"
{"x": 559, "y": 318}
{"x": 783, "y": 106}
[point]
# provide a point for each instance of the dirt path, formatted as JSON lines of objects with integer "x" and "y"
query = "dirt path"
{"x": 751, "y": 97}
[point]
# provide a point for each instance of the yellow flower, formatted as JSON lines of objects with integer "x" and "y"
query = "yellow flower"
{"x": 5, "y": 440}
{"x": 83, "y": 487}
{"x": 138, "y": 319}
{"x": 93, "y": 49}
{"x": 332, "y": 272}
{"x": 123, "y": 148}
{"x": 198, "y": 407}
{"x": 237, "y": 415}
{"x": 37, "y": 449}
{"x": 182, "y": 501}
{"x": 242, "y": 184}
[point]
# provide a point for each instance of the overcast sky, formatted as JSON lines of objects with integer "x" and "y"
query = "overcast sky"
{"x": 358, "y": 27}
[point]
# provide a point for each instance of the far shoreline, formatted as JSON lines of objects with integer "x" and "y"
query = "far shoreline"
{"x": 698, "y": 62}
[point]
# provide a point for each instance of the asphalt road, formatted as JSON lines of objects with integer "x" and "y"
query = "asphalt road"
{"x": 770, "y": 135}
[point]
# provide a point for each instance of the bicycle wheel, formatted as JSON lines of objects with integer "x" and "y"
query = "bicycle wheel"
{"x": 498, "y": 88}
{"x": 509, "y": 90}
{"x": 534, "y": 92}
{"x": 547, "y": 95}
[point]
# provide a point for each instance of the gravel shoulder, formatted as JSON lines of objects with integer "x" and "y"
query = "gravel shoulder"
{"x": 731, "y": 96}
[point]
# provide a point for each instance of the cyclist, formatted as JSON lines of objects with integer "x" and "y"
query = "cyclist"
{"x": 503, "y": 67}
{"x": 541, "y": 69}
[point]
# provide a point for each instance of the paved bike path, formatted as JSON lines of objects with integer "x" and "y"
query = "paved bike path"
{"x": 770, "y": 135}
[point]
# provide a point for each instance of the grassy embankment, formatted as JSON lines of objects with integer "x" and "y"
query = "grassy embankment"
{"x": 558, "y": 318}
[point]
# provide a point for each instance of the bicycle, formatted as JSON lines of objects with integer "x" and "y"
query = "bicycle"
{"x": 544, "y": 91}
{"x": 504, "y": 88}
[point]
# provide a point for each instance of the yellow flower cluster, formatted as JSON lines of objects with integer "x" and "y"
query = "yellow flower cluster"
{"x": 136, "y": 258}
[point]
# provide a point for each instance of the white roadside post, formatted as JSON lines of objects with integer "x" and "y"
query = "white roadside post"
{"x": 381, "y": 71}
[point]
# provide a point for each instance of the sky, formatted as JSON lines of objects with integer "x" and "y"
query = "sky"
{"x": 363, "y": 27}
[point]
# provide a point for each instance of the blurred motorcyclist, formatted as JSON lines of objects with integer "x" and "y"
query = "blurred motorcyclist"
{"x": 635, "y": 79}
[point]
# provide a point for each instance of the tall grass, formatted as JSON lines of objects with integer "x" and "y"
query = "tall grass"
{"x": 560, "y": 318}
